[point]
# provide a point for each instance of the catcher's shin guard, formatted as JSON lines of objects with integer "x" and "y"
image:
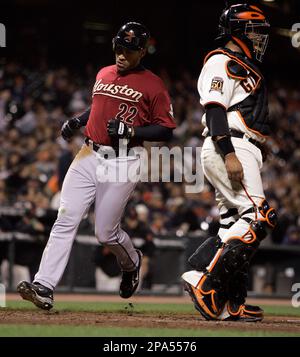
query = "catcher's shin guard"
{"x": 236, "y": 309}
{"x": 205, "y": 299}
{"x": 204, "y": 254}
{"x": 233, "y": 257}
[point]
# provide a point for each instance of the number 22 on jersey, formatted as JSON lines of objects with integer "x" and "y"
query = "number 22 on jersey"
{"x": 127, "y": 113}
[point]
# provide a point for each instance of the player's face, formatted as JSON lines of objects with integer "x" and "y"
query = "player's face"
{"x": 127, "y": 59}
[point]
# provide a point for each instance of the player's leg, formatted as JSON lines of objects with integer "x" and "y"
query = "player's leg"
{"x": 203, "y": 255}
{"x": 77, "y": 194}
{"x": 242, "y": 239}
{"x": 111, "y": 200}
{"x": 237, "y": 285}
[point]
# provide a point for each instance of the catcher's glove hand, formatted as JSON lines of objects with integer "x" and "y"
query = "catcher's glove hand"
{"x": 69, "y": 128}
{"x": 118, "y": 129}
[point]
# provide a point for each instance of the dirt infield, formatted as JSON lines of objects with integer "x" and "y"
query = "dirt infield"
{"x": 135, "y": 319}
{"x": 282, "y": 324}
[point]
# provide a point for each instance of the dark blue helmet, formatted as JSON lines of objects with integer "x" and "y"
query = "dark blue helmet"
{"x": 133, "y": 36}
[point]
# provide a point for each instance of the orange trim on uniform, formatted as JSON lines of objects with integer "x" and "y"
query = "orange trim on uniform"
{"x": 211, "y": 292}
{"x": 241, "y": 238}
{"x": 253, "y": 235}
{"x": 260, "y": 203}
{"x": 205, "y": 308}
{"x": 234, "y": 313}
{"x": 243, "y": 46}
{"x": 267, "y": 219}
{"x": 251, "y": 70}
{"x": 254, "y": 131}
{"x": 196, "y": 293}
{"x": 236, "y": 59}
{"x": 204, "y": 277}
{"x": 213, "y": 301}
{"x": 250, "y": 15}
{"x": 215, "y": 259}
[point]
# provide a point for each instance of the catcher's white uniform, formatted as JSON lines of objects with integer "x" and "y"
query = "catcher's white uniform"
{"x": 219, "y": 84}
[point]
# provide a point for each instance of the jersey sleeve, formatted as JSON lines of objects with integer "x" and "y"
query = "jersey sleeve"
{"x": 162, "y": 110}
{"x": 214, "y": 85}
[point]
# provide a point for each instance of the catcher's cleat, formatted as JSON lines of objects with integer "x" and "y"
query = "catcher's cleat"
{"x": 130, "y": 280}
{"x": 208, "y": 301}
{"x": 245, "y": 313}
{"x": 37, "y": 293}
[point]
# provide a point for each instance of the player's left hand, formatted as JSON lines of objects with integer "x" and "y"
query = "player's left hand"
{"x": 118, "y": 129}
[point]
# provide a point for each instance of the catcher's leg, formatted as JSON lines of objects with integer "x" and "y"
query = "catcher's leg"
{"x": 199, "y": 260}
{"x": 236, "y": 289}
{"x": 211, "y": 292}
{"x": 204, "y": 254}
{"x": 235, "y": 308}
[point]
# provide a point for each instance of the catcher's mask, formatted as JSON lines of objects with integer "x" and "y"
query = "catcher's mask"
{"x": 247, "y": 26}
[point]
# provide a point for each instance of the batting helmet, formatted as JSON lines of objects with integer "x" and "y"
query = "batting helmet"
{"x": 247, "y": 26}
{"x": 133, "y": 36}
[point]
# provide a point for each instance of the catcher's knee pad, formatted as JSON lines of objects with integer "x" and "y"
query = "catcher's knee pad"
{"x": 262, "y": 219}
{"x": 204, "y": 254}
{"x": 269, "y": 216}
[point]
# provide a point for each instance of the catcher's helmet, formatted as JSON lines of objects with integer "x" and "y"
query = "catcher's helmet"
{"x": 247, "y": 26}
{"x": 133, "y": 36}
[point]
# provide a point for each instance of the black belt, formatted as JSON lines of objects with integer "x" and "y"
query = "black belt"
{"x": 97, "y": 147}
{"x": 239, "y": 134}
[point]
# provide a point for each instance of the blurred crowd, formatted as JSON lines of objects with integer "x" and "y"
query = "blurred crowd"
{"x": 34, "y": 158}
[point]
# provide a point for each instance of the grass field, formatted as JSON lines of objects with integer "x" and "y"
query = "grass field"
{"x": 113, "y": 319}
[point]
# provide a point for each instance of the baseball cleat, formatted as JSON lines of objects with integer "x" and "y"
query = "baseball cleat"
{"x": 241, "y": 312}
{"x": 130, "y": 280}
{"x": 37, "y": 293}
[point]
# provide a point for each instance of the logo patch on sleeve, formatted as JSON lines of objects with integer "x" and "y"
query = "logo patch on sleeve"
{"x": 217, "y": 84}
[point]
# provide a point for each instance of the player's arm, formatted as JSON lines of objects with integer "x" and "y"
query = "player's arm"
{"x": 153, "y": 133}
{"x": 216, "y": 90}
{"x": 117, "y": 128}
{"x": 216, "y": 120}
{"x": 70, "y": 127}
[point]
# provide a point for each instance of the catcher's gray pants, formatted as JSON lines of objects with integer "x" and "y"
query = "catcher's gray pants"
{"x": 88, "y": 180}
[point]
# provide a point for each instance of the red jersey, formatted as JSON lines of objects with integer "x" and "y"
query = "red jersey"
{"x": 138, "y": 98}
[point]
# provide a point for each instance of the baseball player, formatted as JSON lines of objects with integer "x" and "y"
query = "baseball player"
{"x": 233, "y": 92}
{"x": 130, "y": 104}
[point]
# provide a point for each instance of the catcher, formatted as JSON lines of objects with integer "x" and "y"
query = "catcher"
{"x": 233, "y": 92}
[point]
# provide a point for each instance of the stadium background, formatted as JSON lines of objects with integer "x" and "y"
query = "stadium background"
{"x": 53, "y": 51}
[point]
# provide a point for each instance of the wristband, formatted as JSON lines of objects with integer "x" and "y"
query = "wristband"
{"x": 225, "y": 145}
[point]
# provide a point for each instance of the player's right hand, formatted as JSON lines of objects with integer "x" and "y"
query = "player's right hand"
{"x": 234, "y": 167}
{"x": 69, "y": 128}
